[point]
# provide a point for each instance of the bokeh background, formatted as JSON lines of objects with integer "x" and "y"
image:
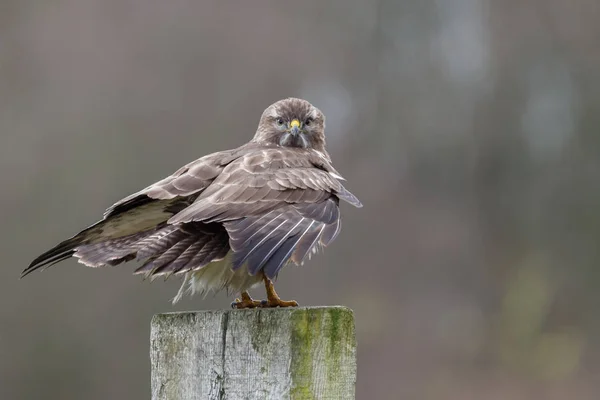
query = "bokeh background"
{"x": 468, "y": 128}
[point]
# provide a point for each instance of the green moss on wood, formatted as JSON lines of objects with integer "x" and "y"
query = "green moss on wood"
{"x": 340, "y": 335}
{"x": 305, "y": 324}
{"x": 311, "y": 349}
{"x": 334, "y": 329}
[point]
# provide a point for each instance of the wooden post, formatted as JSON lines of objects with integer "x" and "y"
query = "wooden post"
{"x": 274, "y": 354}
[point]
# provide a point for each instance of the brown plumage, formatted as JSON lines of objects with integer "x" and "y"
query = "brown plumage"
{"x": 230, "y": 219}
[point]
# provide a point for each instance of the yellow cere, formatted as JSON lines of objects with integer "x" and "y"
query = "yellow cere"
{"x": 295, "y": 123}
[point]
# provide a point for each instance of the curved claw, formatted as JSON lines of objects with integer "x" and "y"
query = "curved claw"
{"x": 245, "y": 302}
{"x": 272, "y": 303}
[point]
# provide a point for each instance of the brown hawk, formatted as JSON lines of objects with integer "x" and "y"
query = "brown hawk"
{"x": 228, "y": 220}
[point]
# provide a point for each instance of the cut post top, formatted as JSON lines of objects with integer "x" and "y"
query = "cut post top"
{"x": 280, "y": 353}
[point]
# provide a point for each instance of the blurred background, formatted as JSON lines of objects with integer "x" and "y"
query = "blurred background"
{"x": 468, "y": 128}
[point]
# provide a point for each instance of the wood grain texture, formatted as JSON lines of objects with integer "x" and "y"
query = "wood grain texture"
{"x": 274, "y": 354}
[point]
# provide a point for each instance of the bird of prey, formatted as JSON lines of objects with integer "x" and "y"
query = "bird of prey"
{"x": 228, "y": 220}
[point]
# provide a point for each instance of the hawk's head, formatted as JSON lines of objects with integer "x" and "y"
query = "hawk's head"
{"x": 292, "y": 123}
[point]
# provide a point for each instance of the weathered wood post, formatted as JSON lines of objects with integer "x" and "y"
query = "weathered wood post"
{"x": 275, "y": 354}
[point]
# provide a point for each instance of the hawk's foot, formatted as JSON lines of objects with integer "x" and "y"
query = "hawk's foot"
{"x": 273, "y": 299}
{"x": 246, "y": 302}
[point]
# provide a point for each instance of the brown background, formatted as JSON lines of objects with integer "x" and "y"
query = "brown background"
{"x": 468, "y": 128}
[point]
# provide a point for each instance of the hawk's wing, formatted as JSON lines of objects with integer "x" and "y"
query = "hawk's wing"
{"x": 186, "y": 181}
{"x": 276, "y": 204}
{"x": 143, "y": 211}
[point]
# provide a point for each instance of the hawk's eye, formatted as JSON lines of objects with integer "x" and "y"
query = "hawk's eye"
{"x": 308, "y": 121}
{"x": 279, "y": 121}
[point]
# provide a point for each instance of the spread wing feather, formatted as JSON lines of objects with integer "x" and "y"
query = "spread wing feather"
{"x": 186, "y": 181}
{"x": 99, "y": 254}
{"x": 185, "y": 257}
{"x": 267, "y": 242}
{"x": 203, "y": 256}
{"x": 330, "y": 232}
{"x": 159, "y": 242}
{"x": 165, "y": 250}
{"x": 167, "y": 256}
{"x": 190, "y": 247}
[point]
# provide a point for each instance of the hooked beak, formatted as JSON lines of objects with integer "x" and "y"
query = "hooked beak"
{"x": 294, "y": 127}
{"x": 294, "y": 136}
